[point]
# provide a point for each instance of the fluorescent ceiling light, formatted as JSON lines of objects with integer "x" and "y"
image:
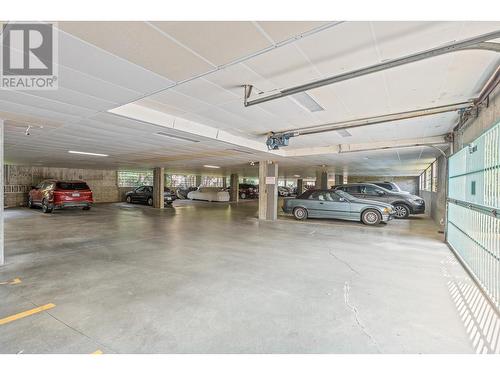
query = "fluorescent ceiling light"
{"x": 296, "y": 175}
{"x": 212, "y": 166}
{"x": 242, "y": 151}
{"x": 306, "y": 101}
{"x": 344, "y": 133}
{"x": 86, "y": 153}
{"x": 163, "y": 134}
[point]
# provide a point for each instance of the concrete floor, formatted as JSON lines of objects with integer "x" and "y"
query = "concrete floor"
{"x": 210, "y": 278}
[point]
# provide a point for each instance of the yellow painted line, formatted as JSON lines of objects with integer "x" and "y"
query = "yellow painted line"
{"x": 26, "y": 313}
{"x": 15, "y": 281}
{"x": 97, "y": 352}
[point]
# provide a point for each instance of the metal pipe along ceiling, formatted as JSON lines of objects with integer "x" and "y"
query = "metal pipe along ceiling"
{"x": 470, "y": 43}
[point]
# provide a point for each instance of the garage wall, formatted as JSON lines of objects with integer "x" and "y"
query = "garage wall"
{"x": 473, "y": 128}
{"x": 19, "y": 179}
{"x": 409, "y": 183}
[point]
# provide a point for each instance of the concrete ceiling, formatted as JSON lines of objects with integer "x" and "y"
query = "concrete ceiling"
{"x": 185, "y": 79}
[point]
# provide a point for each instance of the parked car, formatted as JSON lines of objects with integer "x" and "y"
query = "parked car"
{"x": 392, "y": 186}
{"x": 283, "y": 191}
{"x": 54, "y": 194}
{"x": 336, "y": 204}
{"x": 211, "y": 194}
{"x": 248, "y": 191}
{"x": 144, "y": 195}
{"x": 404, "y": 203}
{"x": 182, "y": 192}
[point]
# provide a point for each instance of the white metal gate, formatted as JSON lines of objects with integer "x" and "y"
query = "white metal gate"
{"x": 473, "y": 210}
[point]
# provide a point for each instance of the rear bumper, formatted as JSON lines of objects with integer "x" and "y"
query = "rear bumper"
{"x": 72, "y": 204}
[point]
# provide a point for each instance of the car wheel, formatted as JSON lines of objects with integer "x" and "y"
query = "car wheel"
{"x": 128, "y": 199}
{"x": 243, "y": 195}
{"x": 401, "y": 211}
{"x": 86, "y": 208}
{"x": 46, "y": 209}
{"x": 150, "y": 201}
{"x": 371, "y": 217}
{"x": 300, "y": 213}
{"x": 30, "y": 203}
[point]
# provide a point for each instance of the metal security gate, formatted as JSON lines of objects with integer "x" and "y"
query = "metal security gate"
{"x": 474, "y": 210}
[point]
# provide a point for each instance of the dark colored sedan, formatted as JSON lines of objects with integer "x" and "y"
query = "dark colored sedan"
{"x": 144, "y": 195}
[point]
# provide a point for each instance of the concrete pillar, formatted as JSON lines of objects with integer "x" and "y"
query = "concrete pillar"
{"x": 268, "y": 190}
{"x": 234, "y": 194}
{"x": 2, "y": 256}
{"x": 198, "y": 180}
{"x": 300, "y": 186}
{"x": 339, "y": 179}
{"x": 224, "y": 182}
{"x": 158, "y": 187}
{"x": 321, "y": 180}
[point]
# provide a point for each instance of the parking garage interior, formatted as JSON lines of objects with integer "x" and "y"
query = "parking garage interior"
{"x": 262, "y": 112}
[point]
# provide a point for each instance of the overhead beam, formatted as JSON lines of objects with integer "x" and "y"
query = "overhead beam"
{"x": 470, "y": 43}
{"x": 362, "y": 147}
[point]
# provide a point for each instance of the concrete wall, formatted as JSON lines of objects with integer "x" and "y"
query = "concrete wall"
{"x": 407, "y": 183}
{"x": 19, "y": 179}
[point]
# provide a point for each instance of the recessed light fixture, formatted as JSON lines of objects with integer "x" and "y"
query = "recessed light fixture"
{"x": 212, "y": 166}
{"x": 241, "y": 151}
{"x": 344, "y": 133}
{"x": 163, "y": 134}
{"x": 86, "y": 153}
{"x": 304, "y": 100}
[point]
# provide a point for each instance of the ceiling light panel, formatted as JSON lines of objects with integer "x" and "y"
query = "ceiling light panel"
{"x": 306, "y": 101}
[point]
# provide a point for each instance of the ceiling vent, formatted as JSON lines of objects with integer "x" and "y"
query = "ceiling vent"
{"x": 163, "y": 134}
{"x": 304, "y": 100}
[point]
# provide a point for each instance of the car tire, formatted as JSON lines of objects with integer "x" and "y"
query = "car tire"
{"x": 86, "y": 208}
{"x": 150, "y": 201}
{"x": 243, "y": 195}
{"x": 401, "y": 211}
{"x": 30, "y": 203}
{"x": 371, "y": 217}
{"x": 128, "y": 199}
{"x": 46, "y": 209}
{"x": 300, "y": 213}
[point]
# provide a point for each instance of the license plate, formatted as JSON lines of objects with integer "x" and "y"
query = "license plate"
{"x": 75, "y": 194}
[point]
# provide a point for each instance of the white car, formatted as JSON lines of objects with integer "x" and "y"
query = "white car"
{"x": 211, "y": 194}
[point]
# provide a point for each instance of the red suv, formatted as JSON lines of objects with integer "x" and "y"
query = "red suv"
{"x": 50, "y": 194}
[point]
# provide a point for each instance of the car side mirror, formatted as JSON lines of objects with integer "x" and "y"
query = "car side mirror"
{"x": 341, "y": 199}
{"x": 380, "y": 193}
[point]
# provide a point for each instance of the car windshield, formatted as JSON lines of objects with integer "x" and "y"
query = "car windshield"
{"x": 72, "y": 185}
{"x": 345, "y": 195}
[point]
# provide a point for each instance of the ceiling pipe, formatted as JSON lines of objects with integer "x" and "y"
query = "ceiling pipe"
{"x": 470, "y": 43}
{"x": 381, "y": 119}
{"x": 433, "y": 145}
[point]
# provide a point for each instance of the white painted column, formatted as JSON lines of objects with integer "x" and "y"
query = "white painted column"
{"x": 2, "y": 254}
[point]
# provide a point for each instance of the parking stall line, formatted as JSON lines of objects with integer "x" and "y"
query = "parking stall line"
{"x": 26, "y": 313}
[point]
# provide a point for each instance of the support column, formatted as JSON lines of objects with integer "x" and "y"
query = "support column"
{"x": 158, "y": 187}
{"x": 268, "y": 190}
{"x": 339, "y": 179}
{"x": 198, "y": 181}
{"x": 2, "y": 256}
{"x": 300, "y": 186}
{"x": 234, "y": 193}
{"x": 321, "y": 180}
{"x": 224, "y": 182}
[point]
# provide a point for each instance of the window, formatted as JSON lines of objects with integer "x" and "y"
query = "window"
{"x": 72, "y": 186}
{"x": 211, "y": 181}
{"x": 428, "y": 179}
{"x": 178, "y": 180}
{"x": 135, "y": 178}
{"x": 351, "y": 189}
{"x": 370, "y": 190}
{"x": 434, "y": 176}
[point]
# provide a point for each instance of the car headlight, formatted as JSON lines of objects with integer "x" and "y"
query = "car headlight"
{"x": 387, "y": 210}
